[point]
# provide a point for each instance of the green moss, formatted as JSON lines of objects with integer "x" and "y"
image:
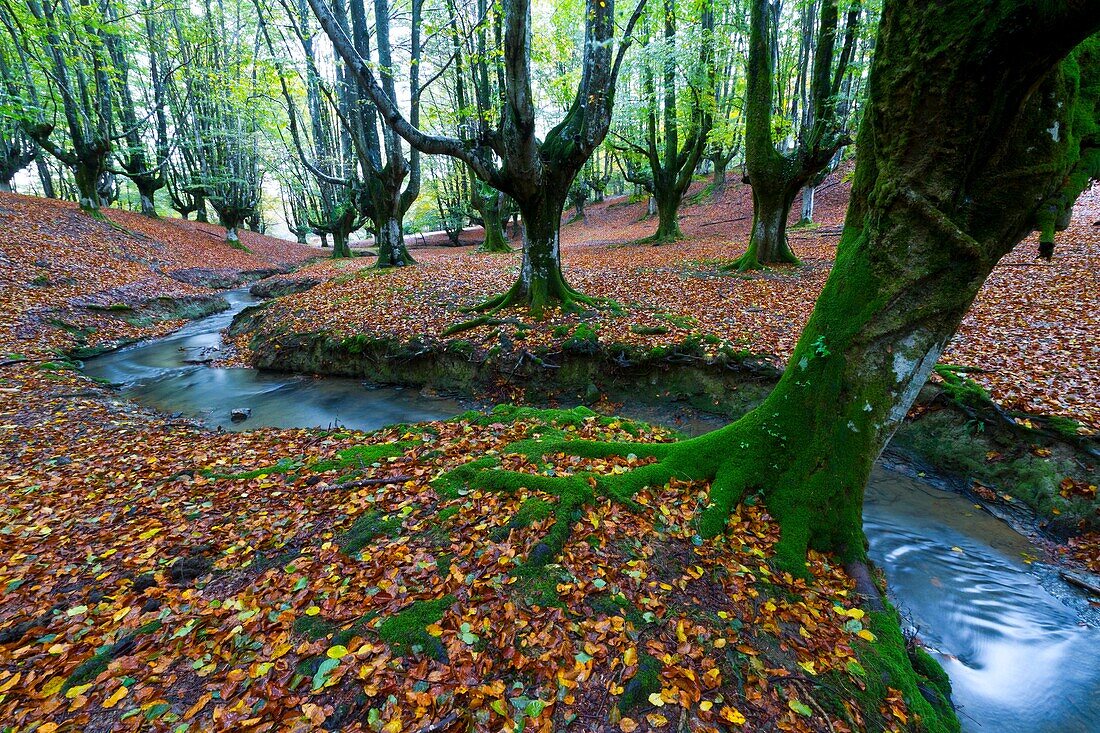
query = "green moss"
{"x": 584, "y": 340}
{"x": 56, "y": 366}
{"x": 92, "y": 668}
{"x": 365, "y": 529}
{"x": 361, "y": 456}
{"x": 538, "y": 585}
{"x": 645, "y": 681}
{"x": 283, "y": 466}
{"x": 649, "y": 330}
{"x": 406, "y": 631}
{"x": 532, "y": 510}
{"x": 314, "y": 627}
{"x": 888, "y": 665}
{"x": 959, "y": 388}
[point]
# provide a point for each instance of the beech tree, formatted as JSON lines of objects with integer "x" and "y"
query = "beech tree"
{"x": 674, "y": 139}
{"x": 145, "y": 167}
{"x": 509, "y": 155}
{"x": 68, "y": 48}
{"x": 1056, "y": 213}
{"x": 940, "y": 196}
{"x": 774, "y": 175}
{"x": 17, "y": 150}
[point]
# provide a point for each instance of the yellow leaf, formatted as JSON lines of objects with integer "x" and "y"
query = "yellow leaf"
{"x": 74, "y": 691}
{"x": 259, "y": 670}
{"x": 434, "y": 629}
{"x": 731, "y": 715}
{"x": 865, "y": 634}
{"x": 656, "y": 699}
{"x": 394, "y": 726}
{"x": 856, "y": 613}
{"x": 10, "y": 683}
{"x": 313, "y": 610}
{"x": 150, "y": 533}
{"x": 337, "y": 652}
{"x": 808, "y": 666}
{"x": 630, "y": 656}
{"x": 52, "y": 687}
{"x": 706, "y": 705}
{"x": 120, "y": 693}
{"x": 657, "y": 720}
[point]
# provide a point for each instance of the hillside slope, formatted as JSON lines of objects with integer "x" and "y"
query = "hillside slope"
{"x": 69, "y": 280}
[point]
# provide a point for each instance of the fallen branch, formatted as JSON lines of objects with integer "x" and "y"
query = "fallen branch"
{"x": 725, "y": 221}
{"x": 369, "y": 482}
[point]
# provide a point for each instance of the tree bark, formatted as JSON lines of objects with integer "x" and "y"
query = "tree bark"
{"x": 86, "y": 176}
{"x": 340, "y": 248}
{"x": 493, "y": 223}
{"x": 668, "y": 215}
{"x": 807, "y": 216}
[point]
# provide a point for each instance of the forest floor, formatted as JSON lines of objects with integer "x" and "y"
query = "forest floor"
{"x": 158, "y": 575}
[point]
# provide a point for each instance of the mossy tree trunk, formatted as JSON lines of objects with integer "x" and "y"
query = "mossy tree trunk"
{"x": 771, "y": 204}
{"x": 672, "y": 150}
{"x": 541, "y": 282}
{"x": 668, "y": 214}
{"x": 86, "y": 175}
{"x": 340, "y": 248}
{"x": 776, "y": 177}
{"x": 493, "y": 223}
{"x": 388, "y": 214}
{"x": 490, "y": 204}
{"x": 939, "y": 196}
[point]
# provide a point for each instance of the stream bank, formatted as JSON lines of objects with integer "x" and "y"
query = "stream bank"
{"x": 1033, "y": 472}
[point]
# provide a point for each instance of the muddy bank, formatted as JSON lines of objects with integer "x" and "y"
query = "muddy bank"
{"x": 1019, "y": 467}
{"x": 139, "y": 314}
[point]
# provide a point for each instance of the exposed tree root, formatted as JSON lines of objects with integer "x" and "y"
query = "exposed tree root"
{"x": 730, "y": 459}
{"x": 536, "y": 298}
{"x": 749, "y": 261}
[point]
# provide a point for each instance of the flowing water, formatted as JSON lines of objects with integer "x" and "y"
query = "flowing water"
{"x": 1019, "y": 658}
{"x": 163, "y": 374}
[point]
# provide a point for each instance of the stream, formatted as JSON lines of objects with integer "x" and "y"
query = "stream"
{"x": 1010, "y": 634}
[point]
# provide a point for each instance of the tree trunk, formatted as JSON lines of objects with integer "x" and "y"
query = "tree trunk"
{"x": 807, "y": 216}
{"x": 200, "y": 212}
{"x": 5, "y": 186}
{"x": 86, "y": 177}
{"x": 668, "y": 216}
{"x": 324, "y": 240}
{"x": 231, "y": 236}
{"x": 540, "y": 283}
{"x": 390, "y": 241}
{"x": 494, "y": 241}
{"x": 718, "y": 180}
{"x": 768, "y": 241}
{"x": 44, "y": 176}
{"x": 340, "y": 248}
{"x": 146, "y": 192}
